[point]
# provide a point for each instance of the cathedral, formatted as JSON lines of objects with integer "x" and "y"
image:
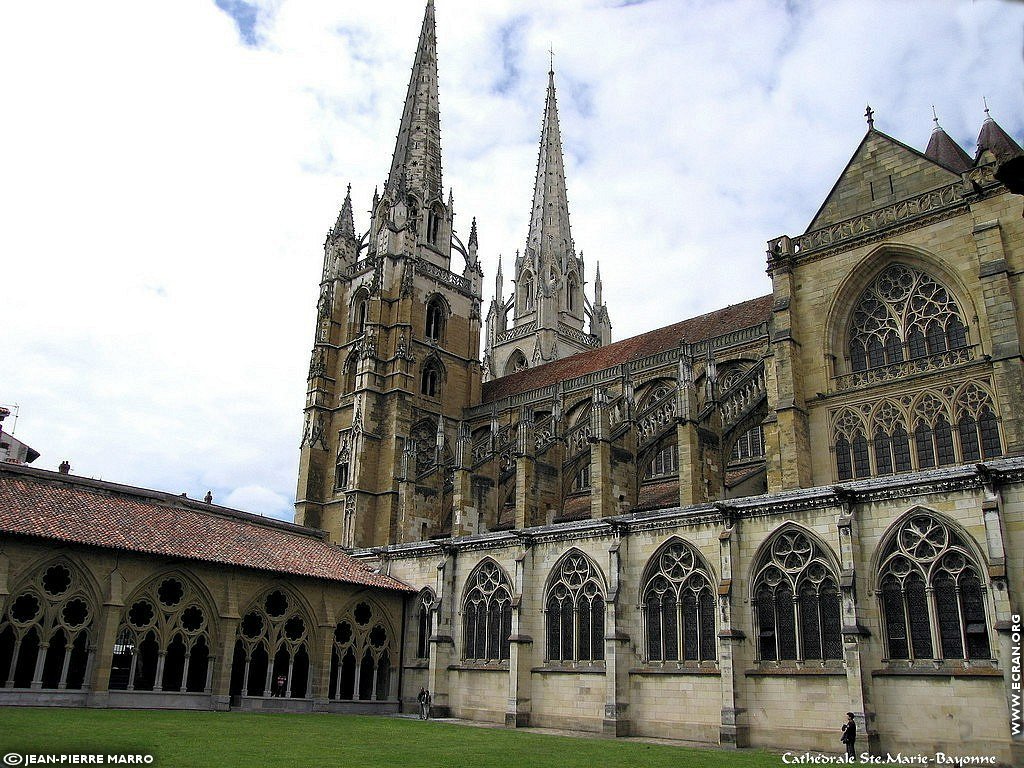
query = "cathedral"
{"x": 729, "y": 530}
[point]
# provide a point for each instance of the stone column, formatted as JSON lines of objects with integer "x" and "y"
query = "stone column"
{"x": 442, "y": 646}
{"x": 1007, "y": 613}
{"x": 1002, "y": 313}
{"x": 517, "y": 710}
{"x": 617, "y": 652}
{"x": 320, "y": 682}
{"x": 221, "y": 680}
{"x": 466, "y": 515}
{"x": 691, "y": 486}
{"x": 855, "y": 636}
{"x": 789, "y": 465}
{"x": 602, "y": 503}
{"x": 102, "y": 643}
{"x": 733, "y": 730}
{"x": 526, "y": 448}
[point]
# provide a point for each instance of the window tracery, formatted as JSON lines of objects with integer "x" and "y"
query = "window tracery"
{"x": 932, "y": 594}
{"x": 430, "y": 379}
{"x": 851, "y": 446}
{"x": 272, "y": 649}
{"x": 904, "y": 314}
{"x": 749, "y": 446}
{"x": 679, "y": 606}
{"x": 361, "y": 656}
{"x": 977, "y": 426}
{"x": 424, "y": 608}
{"x": 796, "y": 597}
{"x": 933, "y": 429}
{"x": 435, "y": 320}
{"x": 163, "y": 643}
{"x": 665, "y": 463}
{"x": 574, "y": 611}
{"x": 581, "y": 480}
{"x": 487, "y": 614}
{"x": 45, "y": 631}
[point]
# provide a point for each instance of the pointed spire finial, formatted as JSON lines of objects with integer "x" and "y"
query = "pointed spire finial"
{"x": 869, "y": 113}
{"x": 551, "y": 59}
{"x": 985, "y": 102}
{"x": 472, "y": 233}
{"x": 345, "y": 226}
{"x": 935, "y": 117}
{"x": 549, "y": 239}
{"x": 416, "y": 163}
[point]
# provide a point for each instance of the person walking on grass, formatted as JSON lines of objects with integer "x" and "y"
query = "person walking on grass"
{"x": 849, "y": 735}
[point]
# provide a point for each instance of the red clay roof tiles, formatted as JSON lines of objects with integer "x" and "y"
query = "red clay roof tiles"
{"x": 52, "y": 506}
{"x": 731, "y": 318}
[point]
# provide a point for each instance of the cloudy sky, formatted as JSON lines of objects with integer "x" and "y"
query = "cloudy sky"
{"x": 168, "y": 172}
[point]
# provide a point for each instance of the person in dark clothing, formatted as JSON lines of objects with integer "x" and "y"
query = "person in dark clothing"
{"x": 422, "y": 699}
{"x": 849, "y": 735}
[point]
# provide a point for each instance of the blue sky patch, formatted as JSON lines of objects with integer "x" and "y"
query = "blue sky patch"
{"x": 244, "y": 16}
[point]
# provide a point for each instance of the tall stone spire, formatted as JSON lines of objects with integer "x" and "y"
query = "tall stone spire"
{"x": 549, "y": 239}
{"x": 345, "y": 226}
{"x": 416, "y": 164}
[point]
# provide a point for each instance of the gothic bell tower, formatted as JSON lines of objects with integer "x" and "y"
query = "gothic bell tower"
{"x": 548, "y": 306}
{"x": 396, "y": 348}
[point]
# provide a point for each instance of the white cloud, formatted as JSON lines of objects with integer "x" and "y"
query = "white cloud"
{"x": 166, "y": 188}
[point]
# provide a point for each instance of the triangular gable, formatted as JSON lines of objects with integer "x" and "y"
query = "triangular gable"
{"x": 881, "y": 171}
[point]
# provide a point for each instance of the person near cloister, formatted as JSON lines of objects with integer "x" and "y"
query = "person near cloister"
{"x": 422, "y": 699}
{"x": 849, "y": 735}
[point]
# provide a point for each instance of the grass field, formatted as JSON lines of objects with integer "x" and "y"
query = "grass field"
{"x": 216, "y": 740}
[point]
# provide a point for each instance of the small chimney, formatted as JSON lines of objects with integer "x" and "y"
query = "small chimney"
{"x": 64, "y": 468}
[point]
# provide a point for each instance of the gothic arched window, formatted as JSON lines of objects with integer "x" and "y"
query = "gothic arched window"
{"x": 678, "y": 605}
{"x": 796, "y": 601}
{"x": 889, "y": 439}
{"x": 423, "y": 606}
{"x": 904, "y": 314}
{"x": 665, "y": 463}
{"x": 430, "y": 380}
{"x": 435, "y": 319}
{"x": 487, "y": 614}
{"x": 164, "y": 641}
{"x": 571, "y": 289}
{"x": 361, "y": 657}
{"x": 977, "y": 425}
{"x": 750, "y": 445}
{"x": 360, "y": 312}
{"x": 581, "y": 480}
{"x": 434, "y": 219}
{"x": 516, "y": 362}
{"x": 933, "y": 435}
{"x": 526, "y": 292}
{"x": 851, "y": 446}
{"x": 574, "y": 610}
{"x": 342, "y": 463}
{"x": 932, "y": 593}
{"x": 272, "y": 649}
{"x": 45, "y": 631}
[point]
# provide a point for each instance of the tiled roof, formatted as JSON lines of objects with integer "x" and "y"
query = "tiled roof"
{"x": 658, "y": 495}
{"x": 994, "y": 138}
{"x": 49, "y": 505}
{"x": 731, "y": 318}
{"x": 943, "y": 150}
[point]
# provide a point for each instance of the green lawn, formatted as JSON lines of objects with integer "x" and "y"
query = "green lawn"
{"x": 200, "y": 739}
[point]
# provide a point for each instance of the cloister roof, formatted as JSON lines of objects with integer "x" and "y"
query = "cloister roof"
{"x": 50, "y": 505}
